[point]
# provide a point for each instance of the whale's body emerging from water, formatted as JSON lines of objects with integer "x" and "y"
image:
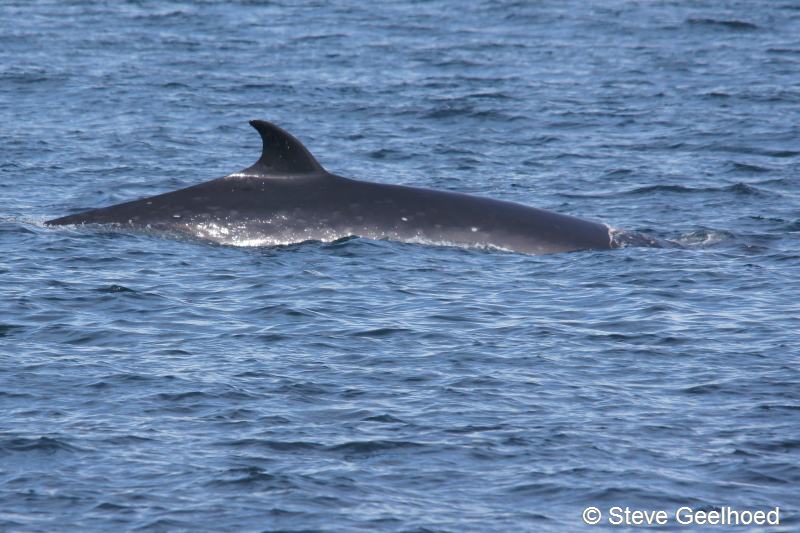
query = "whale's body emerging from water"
{"x": 287, "y": 197}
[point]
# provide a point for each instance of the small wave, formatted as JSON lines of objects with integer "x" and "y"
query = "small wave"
{"x": 779, "y": 446}
{"x": 736, "y": 188}
{"x": 384, "y": 419}
{"x": 493, "y": 95}
{"x": 29, "y": 75}
{"x": 125, "y": 440}
{"x": 180, "y": 396}
{"x": 705, "y": 388}
{"x": 723, "y": 24}
{"x": 164, "y": 15}
{"x": 318, "y": 37}
{"x": 618, "y": 173}
{"x": 381, "y": 332}
{"x": 11, "y": 225}
{"x": 449, "y": 111}
{"x": 251, "y": 475}
{"x": 779, "y": 50}
{"x": 174, "y": 85}
{"x": 130, "y": 378}
{"x": 8, "y": 329}
{"x": 112, "y": 507}
{"x": 717, "y": 94}
{"x": 373, "y": 446}
{"x": 704, "y": 238}
{"x": 6, "y": 394}
{"x": 750, "y": 169}
{"x": 167, "y": 524}
{"x": 46, "y": 445}
{"x": 388, "y": 153}
{"x": 750, "y": 150}
{"x": 455, "y": 109}
{"x": 744, "y": 189}
{"x": 457, "y": 62}
{"x": 664, "y": 188}
{"x": 274, "y": 445}
{"x": 115, "y": 288}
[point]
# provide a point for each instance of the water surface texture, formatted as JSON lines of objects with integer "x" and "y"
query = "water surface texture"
{"x": 156, "y": 384}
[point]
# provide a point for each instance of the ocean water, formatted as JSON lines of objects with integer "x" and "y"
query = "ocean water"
{"x": 157, "y": 384}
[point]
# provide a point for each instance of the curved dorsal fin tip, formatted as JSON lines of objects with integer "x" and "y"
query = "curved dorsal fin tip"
{"x": 262, "y": 124}
{"x": 281, "y": 153}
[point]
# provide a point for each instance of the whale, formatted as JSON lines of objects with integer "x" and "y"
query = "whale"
{"x": 287, "y": 197}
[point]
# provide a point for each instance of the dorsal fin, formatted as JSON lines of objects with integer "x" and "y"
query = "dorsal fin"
{"x": 281, "y": 153}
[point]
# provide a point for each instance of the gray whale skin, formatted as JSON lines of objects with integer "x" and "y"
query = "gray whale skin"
{"x": 287, "y": 197}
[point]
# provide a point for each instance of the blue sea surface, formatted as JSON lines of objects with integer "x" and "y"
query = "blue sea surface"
{"x": 156, "y": 384}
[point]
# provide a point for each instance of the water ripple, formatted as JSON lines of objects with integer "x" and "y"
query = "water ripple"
{"x": 152, "y": 383}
